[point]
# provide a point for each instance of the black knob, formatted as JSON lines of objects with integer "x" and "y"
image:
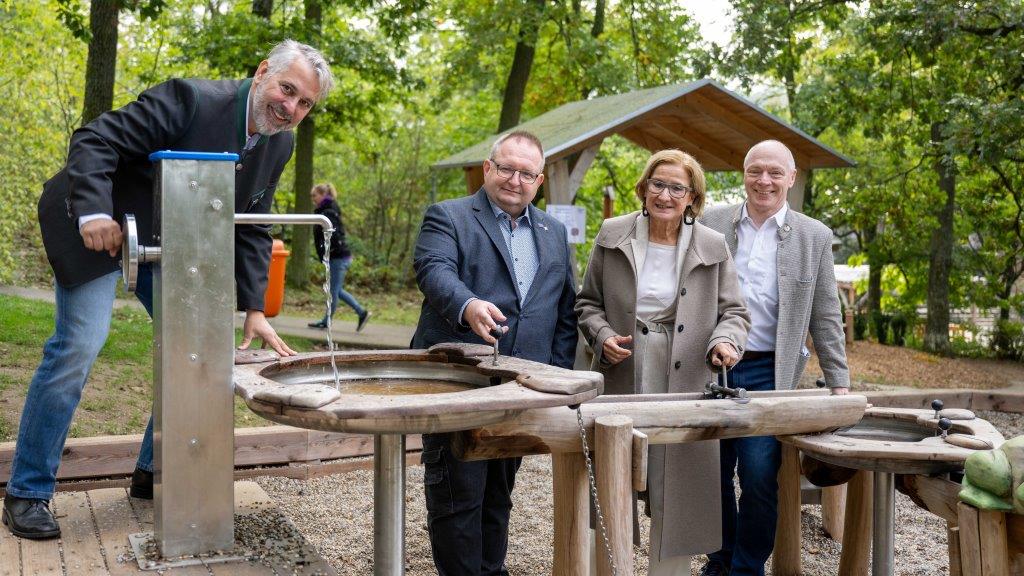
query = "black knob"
{"x": 945, "y": 424}
{"x": 937, "y": 404}
{"x": 496, "y": 332}
{"x": 820, "y": 382}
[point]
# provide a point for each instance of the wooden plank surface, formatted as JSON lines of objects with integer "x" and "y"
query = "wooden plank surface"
{"x": 78, "y": 535}
{"x": 115, "y": 521}
{"x": 10, "y": 553}
{"x": 953, "y": 546}
{"x": 42, "y": 557}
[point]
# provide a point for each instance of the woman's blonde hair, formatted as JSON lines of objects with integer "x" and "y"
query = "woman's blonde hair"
{"x": 684, "y": 161}
{"x": 325, "y": 190}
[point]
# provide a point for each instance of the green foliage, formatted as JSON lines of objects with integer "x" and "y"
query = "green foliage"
{"x": 1008, "y": 340}
{"x": 860, "y": 326}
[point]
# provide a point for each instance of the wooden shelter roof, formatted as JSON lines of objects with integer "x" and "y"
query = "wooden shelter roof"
{"x": 715, "y": 125}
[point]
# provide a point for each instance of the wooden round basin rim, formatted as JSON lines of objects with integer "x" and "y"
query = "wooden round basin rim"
{"x": 517, "y": 385}
{"x": 931, "y": 454}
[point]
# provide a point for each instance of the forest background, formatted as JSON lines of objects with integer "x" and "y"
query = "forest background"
{"x": 925, "y": 95}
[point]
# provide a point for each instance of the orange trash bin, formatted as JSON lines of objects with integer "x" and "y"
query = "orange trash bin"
{"x": 274, "y": 296}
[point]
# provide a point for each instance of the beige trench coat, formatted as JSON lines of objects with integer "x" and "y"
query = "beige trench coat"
{"x": 709, "y": 310}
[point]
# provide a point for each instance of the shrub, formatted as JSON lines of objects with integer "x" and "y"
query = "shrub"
{"x": 860, "y": 326}
{"x": 898, "y": 323}
{"x": 1008, "y": 340}
{"x": 880, "y": 322}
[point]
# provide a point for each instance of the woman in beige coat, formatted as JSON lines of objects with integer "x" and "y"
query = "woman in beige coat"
{"x": 661, "y": 307}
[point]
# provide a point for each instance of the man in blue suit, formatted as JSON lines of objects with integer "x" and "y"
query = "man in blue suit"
{"x": 484, "y": 262}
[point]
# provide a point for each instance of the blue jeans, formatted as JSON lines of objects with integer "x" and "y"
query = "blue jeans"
{"x": 339, "y": 266}
{"x": 468, "y": 507}
{"x": 82, "y": 322}
{"x": 748, "y": 535}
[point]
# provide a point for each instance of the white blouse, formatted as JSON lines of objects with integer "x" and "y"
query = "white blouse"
{"x": 656, "y": 286}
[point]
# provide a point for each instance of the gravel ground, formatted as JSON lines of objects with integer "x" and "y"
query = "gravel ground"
{"x": 336, "y": 515}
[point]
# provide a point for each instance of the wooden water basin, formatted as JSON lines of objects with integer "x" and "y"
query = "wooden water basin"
{"x": 900, "y": 441}
{"x": 446, "y": 388}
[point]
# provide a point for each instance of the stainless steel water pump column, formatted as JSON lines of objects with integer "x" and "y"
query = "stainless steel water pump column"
{"x": 193, "y": 352}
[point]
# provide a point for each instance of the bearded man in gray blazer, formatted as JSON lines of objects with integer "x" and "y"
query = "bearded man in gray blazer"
{"x": 482, "y": 261}
{"x": 784, "y": 263}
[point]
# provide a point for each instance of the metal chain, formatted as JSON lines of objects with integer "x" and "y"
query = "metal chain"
{"x": 593, "y": 492}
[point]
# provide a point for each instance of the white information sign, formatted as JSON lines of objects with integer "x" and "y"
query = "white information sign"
{"x": 574, "y": 218}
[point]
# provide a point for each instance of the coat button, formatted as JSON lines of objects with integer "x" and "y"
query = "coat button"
{"x": 678, "y": 364}
{"x": 679, "y": 328}
{"x": 682, "y": 292}
{"x": 644, "y": 330}
{"x": 238, "y": 167}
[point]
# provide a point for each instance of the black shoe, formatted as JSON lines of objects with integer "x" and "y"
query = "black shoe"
{"x": 30, "y": 518}
{"x": 713, "y": 568}
{"x": 142, "y": 484}
{"x": 362, "y": 320}
{"x": 321, "y": 325}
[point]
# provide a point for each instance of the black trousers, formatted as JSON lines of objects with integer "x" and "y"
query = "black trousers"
{"x": 468, "y": 506}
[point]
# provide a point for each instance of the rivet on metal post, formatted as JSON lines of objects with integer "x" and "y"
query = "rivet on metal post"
{"x": 193, "y": 185}
{"x": 216, "y": 204}
{"x": 193, "y": 357}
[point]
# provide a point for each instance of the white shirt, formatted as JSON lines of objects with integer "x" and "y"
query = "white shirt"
{"x": 656, "y": 286}
{"x": 757, "y": 267}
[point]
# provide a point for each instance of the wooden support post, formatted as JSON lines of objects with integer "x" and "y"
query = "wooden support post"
{"x": 970, "y": 540}
{"x": 953, "y": 545}
{"x": 572, "y": 514}
{"x": 786, "y": 558}
{"x": 995, "y": 553}
{"x": 613, "y": 443}
{"x": 857, "y": 526}
{"x": 639, "y": 462}
{"x": 833, "y": 507}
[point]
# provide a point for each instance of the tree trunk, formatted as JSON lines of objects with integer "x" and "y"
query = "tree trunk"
{"x": 522, "y": 63}
{"x": 874, "y": 302}
{"x": 936, "y": 336}
{"x": 263, "y": 9}
{"x": 305, "y": 136}
{"x": 101, "y": 64}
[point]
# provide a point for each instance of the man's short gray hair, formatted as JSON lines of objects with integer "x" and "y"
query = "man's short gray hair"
{"x": 520, "y": 135}
{"x": 286, "y": 51}
{"x": 790, "y": 161}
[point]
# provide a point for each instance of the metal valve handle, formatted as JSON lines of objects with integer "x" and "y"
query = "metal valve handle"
{"x": 133, "y": 253}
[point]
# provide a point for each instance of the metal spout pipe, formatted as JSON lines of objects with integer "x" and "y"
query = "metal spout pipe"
{"x": 315, "y": 219}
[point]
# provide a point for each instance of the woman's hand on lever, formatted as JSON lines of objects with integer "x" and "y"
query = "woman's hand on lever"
{"x": 724, "y": 353}
{"x": 616, "y": 348}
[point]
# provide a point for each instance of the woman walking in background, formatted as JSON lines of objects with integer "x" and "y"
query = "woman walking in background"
{"x": 323, "y": 196}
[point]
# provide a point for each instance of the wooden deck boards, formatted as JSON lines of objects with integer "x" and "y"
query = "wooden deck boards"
{"x": 94, "y": 540}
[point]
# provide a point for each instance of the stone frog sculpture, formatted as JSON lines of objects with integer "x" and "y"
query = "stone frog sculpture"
{"x": 994, "y": 479}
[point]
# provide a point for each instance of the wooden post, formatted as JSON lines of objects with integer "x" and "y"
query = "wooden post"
{"x": 639, "y": 462}
{"x": 857, "y": 526}
{"x": 613, "y": 444}
{"x": 572, "y": 514}
{"x": 833, "y": 505}
{"x": 995, "y": 553}
{"x": 953, "y": 545}
{"x": 970, "y": 540}
{"x": 474, "y": 178}
{"x": 786, "y": 558}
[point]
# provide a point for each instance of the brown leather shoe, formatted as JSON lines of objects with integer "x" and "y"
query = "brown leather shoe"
{"x": 30, "y": 518}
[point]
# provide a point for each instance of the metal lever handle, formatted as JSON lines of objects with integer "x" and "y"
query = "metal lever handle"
{"x": 497, "y": 333}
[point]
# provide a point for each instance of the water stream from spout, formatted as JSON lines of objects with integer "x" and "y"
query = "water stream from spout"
{"x": 328, "y": 232}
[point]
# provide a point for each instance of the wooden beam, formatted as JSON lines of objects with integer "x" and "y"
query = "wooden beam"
{"x": 833, "y": 511}
{"x": 474, "y": 178}
{"x": 935, "y": 494}
{"x": 970, "y": 540}
{"x": 857, "y": 527}
{"x": 786, "y": 557}
{"x": 995, "y": 554}
{"x": 613, "y": 442}
{"x": 694, "y": 102}
{"x": 676, "y": 126}
{"x": 570, "y": 487}
{"x": 639, "y": 463}
{"x": 643, "y": 139}
{"x": 796, "y": 193}
{"x": 579, "y": 169}
{"x": 546, "y": 430}
{"x": 103, "y": 456}
{"x": 557, "y": 186}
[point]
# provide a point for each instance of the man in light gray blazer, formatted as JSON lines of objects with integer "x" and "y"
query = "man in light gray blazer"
{"x": 784, "y": 263}
{"x": 483, "y": 261}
